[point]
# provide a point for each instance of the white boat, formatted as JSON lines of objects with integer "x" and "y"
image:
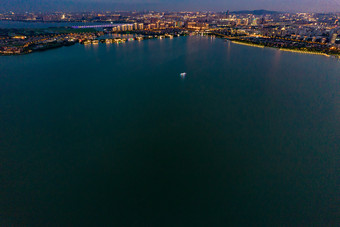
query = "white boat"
{"x": 183, "y": 74}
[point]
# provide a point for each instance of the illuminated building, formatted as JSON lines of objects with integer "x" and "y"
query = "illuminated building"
{"x": 197, "y": 26}
{"x": 140, "y": 26}
{"x": 333, "y": 38}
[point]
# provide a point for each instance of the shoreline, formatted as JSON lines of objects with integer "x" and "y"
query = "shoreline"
{"x": 97, "y": 40}
{"x": 285, "y": 49}
{"x": 230, "y": 40}
{"x": 247, "y": 44}
{"x": 306, "y": 52}
{"x": 43, "y": 49}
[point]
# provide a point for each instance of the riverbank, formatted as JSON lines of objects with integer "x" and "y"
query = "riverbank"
{"x": 27, "y": 41}
{"x": 38, "y": 48}
{"x": 247, "y": 43}
{"x": 306, "y": 52}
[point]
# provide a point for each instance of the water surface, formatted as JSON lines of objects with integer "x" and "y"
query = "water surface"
{"x": 110, "y": 135}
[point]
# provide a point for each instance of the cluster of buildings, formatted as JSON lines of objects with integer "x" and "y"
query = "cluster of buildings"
{"x": 267, "y": 26}
{"x": 128, "y": 27}
{"x": 124, "y": 38}
{"x": 20, "y": 44}
{"x": 305, "y": 27}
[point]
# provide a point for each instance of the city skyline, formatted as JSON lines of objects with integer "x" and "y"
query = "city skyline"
{"x": 176, "y": 5}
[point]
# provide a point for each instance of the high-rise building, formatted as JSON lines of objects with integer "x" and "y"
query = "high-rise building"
{"x": 263, "y": 21}
{"x": 333, "y": 38}
{"x": 124, "y": 27}
{"x": 179, "y": 24}
{"x": 140, "y": 26}
{"x": 238, "y": 22}
{"x": 254, "y": 22}
{"x": 227, "y": 14}
{"x": 197, "y": 26}
{"x": 191, "y": 25}
{"x": 117, "y": 29}
{"x": 153, "y": 26}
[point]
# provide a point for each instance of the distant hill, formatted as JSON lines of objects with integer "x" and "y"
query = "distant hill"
{"x": 256, "y": 12}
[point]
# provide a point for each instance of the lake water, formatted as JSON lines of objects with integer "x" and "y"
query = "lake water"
{"x": 111, "y": 135}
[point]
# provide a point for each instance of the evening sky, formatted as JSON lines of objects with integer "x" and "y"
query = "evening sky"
{"x": 171, "y": 5}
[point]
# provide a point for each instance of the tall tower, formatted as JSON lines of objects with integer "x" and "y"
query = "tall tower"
{"x": 333, "y": 38}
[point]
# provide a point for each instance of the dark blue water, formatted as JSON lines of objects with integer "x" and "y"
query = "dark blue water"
{"x": 112, "y": 136}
